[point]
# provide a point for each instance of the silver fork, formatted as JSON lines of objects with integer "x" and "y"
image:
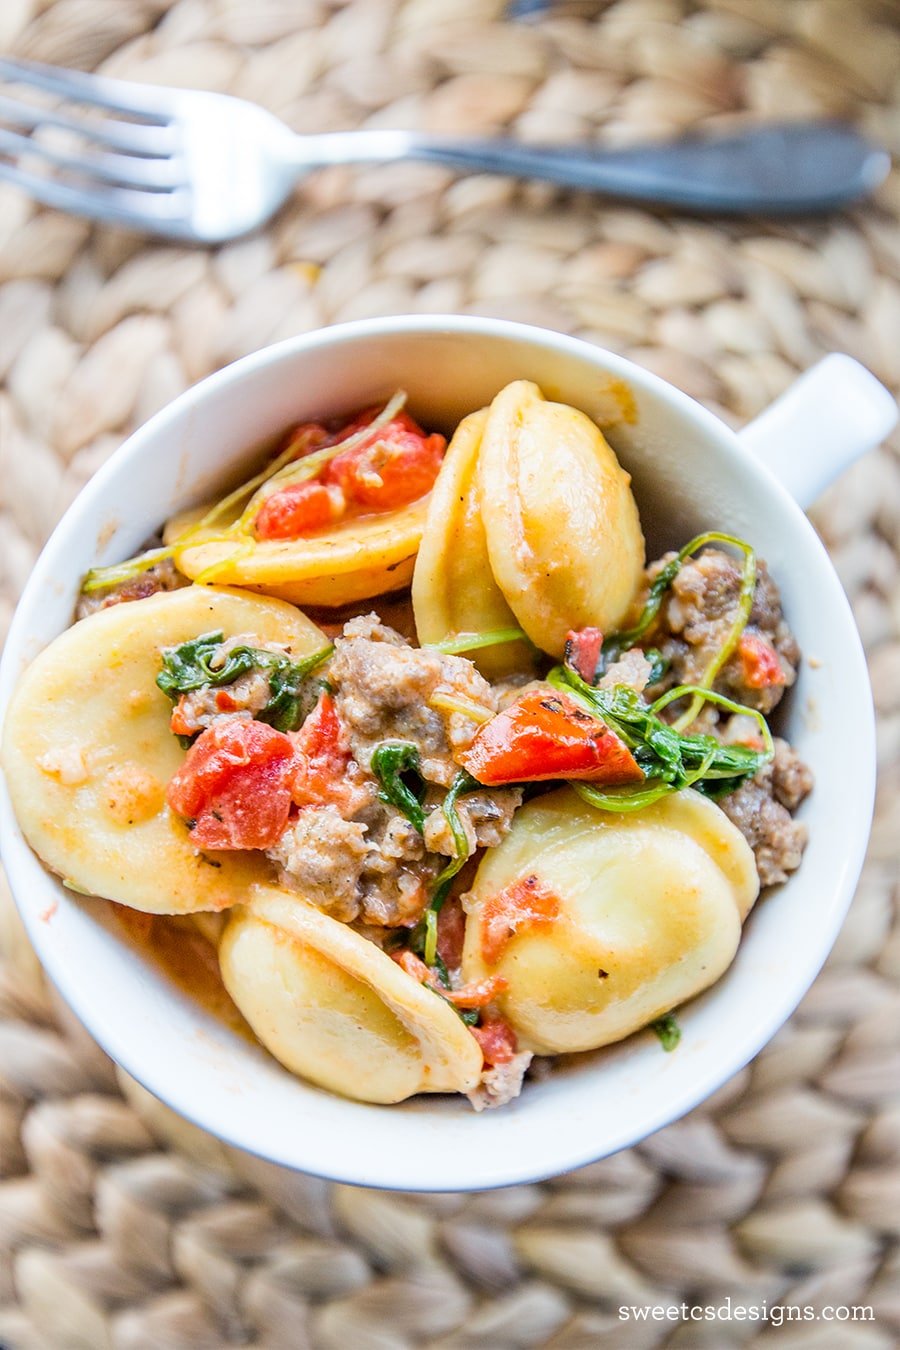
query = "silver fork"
{"x": 205, "y": 167}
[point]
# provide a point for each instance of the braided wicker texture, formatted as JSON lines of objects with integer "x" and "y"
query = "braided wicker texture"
{"x": 122, "y": 1228}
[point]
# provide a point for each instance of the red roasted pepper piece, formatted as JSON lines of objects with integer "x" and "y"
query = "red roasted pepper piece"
{"x": 545, "y": 735}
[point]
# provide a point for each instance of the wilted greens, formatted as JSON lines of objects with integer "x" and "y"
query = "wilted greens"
{"x": 393, "y": 764}
{"x": 668, "y": 1031}
{"x": 201, "y": 664}
{"x": 670, "y": 759}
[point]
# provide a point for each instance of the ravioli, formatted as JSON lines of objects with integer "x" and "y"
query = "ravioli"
{"x": 563, "y": 533}
{"x": 453, "y": 588}
{"x": 88, "y": 752}
{"x": 333, "y": 1008}
{"x": 356, "y": 559}
{"x": 647, "y": 912}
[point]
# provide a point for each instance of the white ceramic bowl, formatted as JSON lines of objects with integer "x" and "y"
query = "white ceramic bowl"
{"x": 690, "y": 473}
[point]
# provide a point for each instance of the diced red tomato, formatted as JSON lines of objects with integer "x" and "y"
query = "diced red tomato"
{"x": 583, "y": 650}
{"x": 546, "y": 735}
{"x": 760, "y": 666}
{"x": 413, "y": 965}
{"x": 451, "y": 933}
{"x": 306, "y": 438}
{"x": 497, "y": 1040}
{"x": 178, "y": 723}
{"x": 235, "y": 785}
{"x": 475, "y": 994}
{"x": 321, "y": 758}
{"x": 299, "y": 509}
{"x": 526, "y": 903}
{"x": 396, "y": 465}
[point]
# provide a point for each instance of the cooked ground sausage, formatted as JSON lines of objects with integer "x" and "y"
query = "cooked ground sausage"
{"x": 632, "y": 669}
{"x": 163, "y": 576}
{"x": 246, "y": 696}
{"x": 485, "y": 816}
{"x": 694, "y": 621}
{"x": 370, "y": 864}
{"x": 382, "y": 690}
{"x": 322, "y": 856}
{"x": 696, "y": 616}
{"x": 500, "y": 1083}
{"x": 761, "y": 809}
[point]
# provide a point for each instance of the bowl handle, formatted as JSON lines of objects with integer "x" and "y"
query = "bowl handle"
{"x": 830, "y": 416}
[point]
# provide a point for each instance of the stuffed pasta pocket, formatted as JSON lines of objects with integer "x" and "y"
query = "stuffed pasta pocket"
{"x": 334, "y": 1008}
{"x": 88, "y": 751}
{"x": 600, "y": 923}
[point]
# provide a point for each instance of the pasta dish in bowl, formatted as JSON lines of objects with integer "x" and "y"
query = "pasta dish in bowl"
{"x": 457, "y": 779}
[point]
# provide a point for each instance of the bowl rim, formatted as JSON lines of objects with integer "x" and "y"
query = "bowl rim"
{"x": 694, "y": 1088}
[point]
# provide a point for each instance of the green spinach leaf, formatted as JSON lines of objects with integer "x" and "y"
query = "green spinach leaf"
{"x": 200, "y": 664}
{"x": 391, "y": 760}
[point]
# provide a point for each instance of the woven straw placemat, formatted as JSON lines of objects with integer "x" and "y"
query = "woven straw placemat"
{"x": 120, "y": 1226}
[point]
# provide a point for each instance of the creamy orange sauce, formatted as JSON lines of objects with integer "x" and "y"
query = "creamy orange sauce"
{"x": 181, "y": 953}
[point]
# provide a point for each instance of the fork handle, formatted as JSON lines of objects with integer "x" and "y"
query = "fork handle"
{"x": 790, "y": 168}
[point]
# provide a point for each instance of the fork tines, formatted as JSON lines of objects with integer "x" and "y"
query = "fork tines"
{"x": 112, "y": 155}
